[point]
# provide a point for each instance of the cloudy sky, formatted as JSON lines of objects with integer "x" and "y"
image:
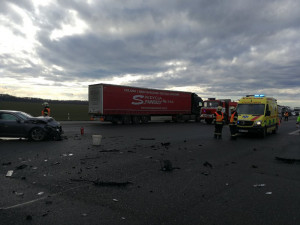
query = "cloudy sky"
{"x": 226, "y": 49}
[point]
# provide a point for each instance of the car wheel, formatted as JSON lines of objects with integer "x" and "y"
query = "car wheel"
{"x": 37, "y": 134}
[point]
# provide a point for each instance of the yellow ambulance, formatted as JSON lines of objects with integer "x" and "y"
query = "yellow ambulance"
{"x": 257, "y": 114}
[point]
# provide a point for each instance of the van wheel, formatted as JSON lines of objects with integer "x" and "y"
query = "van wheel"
{"x": 264, "y": 132}
{"x": 37, "y": 134}
{"x": 275, "y": 130}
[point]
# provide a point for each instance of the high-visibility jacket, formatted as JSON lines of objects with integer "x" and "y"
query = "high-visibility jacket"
{"x": 286, "y": 114}
{"x": 46, "y": 112}
{"x": 219, "y": 117}
{"x": 233, "y": 118}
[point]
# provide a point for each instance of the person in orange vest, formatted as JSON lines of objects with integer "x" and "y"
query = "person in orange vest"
{"x": 46, "y": 110}
{"x": 219, "y": 121}
{"x": 286, "y": 116}
{"x": 233, "y": 123}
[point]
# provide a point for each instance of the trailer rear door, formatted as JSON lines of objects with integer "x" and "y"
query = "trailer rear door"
{"x": 96, "y": 99}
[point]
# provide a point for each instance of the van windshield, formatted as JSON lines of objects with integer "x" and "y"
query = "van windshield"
{"x": 253, "y": 109}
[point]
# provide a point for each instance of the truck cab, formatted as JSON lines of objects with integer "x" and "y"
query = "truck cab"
{"x": 210, "y": 107}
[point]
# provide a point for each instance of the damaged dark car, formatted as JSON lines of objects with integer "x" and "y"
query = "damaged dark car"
{"x": 22, "y": 125}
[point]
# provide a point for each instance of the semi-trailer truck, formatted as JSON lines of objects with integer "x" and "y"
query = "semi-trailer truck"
{"x": 126, "y": 104}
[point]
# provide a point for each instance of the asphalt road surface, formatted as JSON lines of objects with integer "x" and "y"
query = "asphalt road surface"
{"x": 157, "y": 173}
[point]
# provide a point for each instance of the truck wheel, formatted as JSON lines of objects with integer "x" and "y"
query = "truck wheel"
{"x": 208, "y": 121}
{"x": 144, "y": 119}
{"x": 126, "y": 120}
{"x": 135, "y": 119}
{"x": 115, "y": 120}
{"x": 37, "y": 134}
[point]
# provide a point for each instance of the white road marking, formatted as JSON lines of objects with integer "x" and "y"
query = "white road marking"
{"x": 295, "y": 132}
{"x": 39, "y": 199}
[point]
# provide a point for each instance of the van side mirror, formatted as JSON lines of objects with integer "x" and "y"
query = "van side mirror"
{"x": 268, "y": 113}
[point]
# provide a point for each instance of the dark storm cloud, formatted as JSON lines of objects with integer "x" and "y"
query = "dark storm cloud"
{"x": 227, "y": 48}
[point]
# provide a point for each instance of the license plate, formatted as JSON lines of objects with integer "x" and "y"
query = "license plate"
{"x": 243, "y": 131}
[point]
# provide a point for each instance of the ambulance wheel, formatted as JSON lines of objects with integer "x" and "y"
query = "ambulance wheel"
{"x": 275, "y": 130}
{"x": 264, "y": 132}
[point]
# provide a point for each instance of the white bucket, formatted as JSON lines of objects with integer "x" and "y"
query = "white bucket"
{"x": 97, "y": 139}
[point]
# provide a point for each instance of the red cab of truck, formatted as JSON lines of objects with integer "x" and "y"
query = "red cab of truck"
{"x": 210, "y": 107}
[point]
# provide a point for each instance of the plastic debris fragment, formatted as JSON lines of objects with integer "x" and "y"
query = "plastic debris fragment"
{"x": 9, "y": 173}
{"x": 259, "y": 185}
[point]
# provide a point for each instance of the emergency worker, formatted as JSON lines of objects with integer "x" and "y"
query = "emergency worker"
{"x": 298, "y": 121}
{"x": 46, "y": 110}
{"x": 219, "y": 121}
{"x": 233, "y": 123}
{"x": 286, "y": 116}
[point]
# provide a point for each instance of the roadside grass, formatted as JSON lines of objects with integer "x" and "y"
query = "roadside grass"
{"x": 59, "y": 111}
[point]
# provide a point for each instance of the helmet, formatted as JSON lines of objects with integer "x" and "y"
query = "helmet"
{"x": 219, "y": 108}
{"x": 233, "y": 108}
{"x": 45, "y": 104}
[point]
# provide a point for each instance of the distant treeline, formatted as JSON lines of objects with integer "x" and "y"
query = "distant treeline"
{"x": 10, "y": 98}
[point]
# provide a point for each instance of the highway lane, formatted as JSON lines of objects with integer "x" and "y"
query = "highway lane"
{"x": 122, "y": 181}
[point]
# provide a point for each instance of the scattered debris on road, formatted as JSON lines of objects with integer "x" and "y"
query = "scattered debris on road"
{"x": 207, "y": 164}
{"x": 110, "y": 150}
{"x": 165, "y": 144}
{"x": 23, "y": 166}
{"x": 288, "y": 160}
{"x": 147, "y": 139}
{"x": 111, "y": 183}
{"x": 259, "y": 185}
{"x": 166, "y": 165}
{"x": 9, "y": 173}
{"x": 18, "y": 193}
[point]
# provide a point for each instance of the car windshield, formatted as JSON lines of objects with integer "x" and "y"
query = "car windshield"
{"x": 253, "y": 109}
{"x": 24, "y": 116}
{"x": 211, "y": 104}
